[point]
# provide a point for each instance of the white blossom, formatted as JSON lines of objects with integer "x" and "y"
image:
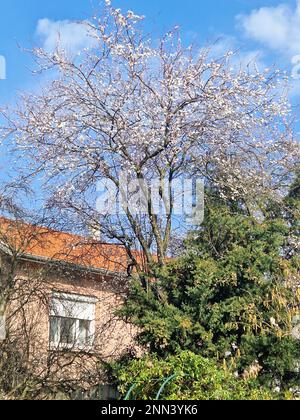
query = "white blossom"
{"x": 156, "y": 111}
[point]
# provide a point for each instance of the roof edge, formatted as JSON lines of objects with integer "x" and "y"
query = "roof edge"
{"x": 45, "y": 260}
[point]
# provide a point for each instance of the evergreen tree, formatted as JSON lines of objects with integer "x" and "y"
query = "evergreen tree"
{"x": 233, "y": 296}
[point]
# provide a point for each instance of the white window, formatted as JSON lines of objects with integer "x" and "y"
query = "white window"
{"x": 72, "y": 321}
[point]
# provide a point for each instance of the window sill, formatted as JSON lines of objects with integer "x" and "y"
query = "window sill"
{"x": 68, "y": 348}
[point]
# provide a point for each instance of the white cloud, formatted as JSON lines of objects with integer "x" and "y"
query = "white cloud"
{"x": 278, "y": 28}
{"x": 242, "y": 57}
{"x": 71, "y": 36}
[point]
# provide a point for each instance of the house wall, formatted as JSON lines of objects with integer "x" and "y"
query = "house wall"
{"x": 28, "y": 322}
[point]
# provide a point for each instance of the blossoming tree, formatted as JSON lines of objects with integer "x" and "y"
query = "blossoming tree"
{"x": 153, "y": 109}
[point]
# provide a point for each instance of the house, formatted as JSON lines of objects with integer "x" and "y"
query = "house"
{"x": 61, "y": 292}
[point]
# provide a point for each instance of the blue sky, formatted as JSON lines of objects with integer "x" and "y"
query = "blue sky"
{"x": 267, "y": 29}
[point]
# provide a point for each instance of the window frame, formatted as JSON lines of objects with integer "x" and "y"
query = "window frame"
{"x": 57, "y": 343}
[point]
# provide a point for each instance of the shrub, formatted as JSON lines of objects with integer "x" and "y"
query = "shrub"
{"x": 196, "y": 378}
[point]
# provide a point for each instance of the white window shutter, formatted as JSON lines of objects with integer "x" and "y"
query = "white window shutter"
{"x": 73, "y": 306}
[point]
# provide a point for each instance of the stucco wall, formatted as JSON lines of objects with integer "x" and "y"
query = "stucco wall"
{"x": 28, "y": 321}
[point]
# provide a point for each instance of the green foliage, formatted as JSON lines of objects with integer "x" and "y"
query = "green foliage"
{"x": 293, "y": 216}
{"x": 231, "y": 297}
{"x": 196, "y": 378}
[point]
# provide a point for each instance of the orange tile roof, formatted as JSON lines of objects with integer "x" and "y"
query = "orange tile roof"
{"x": 44, "y": 243}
